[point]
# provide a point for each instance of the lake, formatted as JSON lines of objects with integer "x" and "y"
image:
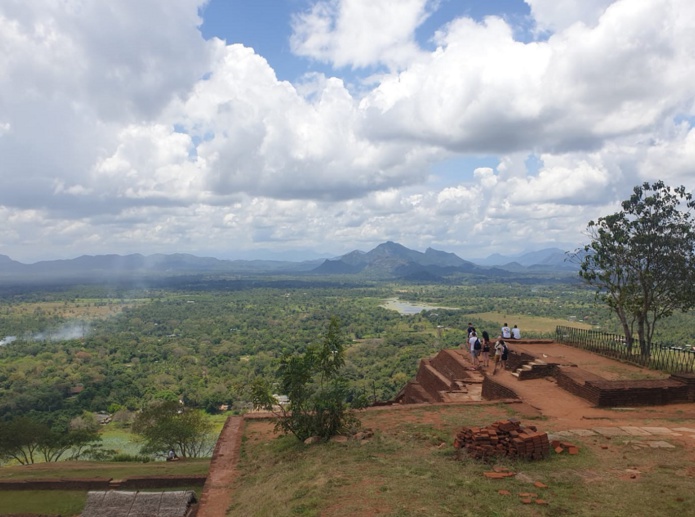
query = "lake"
{"x": 395, "y": 304}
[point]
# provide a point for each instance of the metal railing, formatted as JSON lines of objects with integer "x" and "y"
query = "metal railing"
{"x": 661, "y": 357}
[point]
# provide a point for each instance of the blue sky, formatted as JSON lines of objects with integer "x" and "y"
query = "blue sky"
{"x": 300, "y": 128}
{"x": 265, "y": 25}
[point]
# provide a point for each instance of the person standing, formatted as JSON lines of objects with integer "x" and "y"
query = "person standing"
{"x": 505, "y": 355}
{"x": 475, "y": 347}
{"x": 499, "y": 351}
{"x": 506, "y": 332}
{"x": 486, "y": 349}
{"x": 516, "y": 333}
{"x": 470, "y": 329}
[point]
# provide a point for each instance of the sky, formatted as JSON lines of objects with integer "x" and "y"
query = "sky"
{"x": 294, "y": 129}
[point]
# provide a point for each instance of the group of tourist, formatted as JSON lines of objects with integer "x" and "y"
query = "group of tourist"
{"x": 480, "y": 349}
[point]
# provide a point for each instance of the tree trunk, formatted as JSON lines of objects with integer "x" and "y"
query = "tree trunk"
{"x": 643, "y": 342}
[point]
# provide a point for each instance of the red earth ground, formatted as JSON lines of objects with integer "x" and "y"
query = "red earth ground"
{"x": 559, "y": 409}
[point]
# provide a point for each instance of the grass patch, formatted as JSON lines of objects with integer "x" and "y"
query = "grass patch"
{"x": 410, "y": 468}
{"x": 527, "y": 323}
{"x": 43, "y": 502}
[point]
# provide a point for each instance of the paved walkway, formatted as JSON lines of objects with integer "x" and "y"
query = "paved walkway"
{"x": 644, "y": 433}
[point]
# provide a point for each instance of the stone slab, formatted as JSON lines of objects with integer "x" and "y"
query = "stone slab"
{"x": 683, "y": 430}
{"x": 661, "y": 445}
{"x": 582, "y": 432}
{"x": 565, "y": 434}
{"x": 635, "y": 431}
{"x": 660, "y": 431}
{"x": 637, "y": 445}
{"x": 609, "y": 431}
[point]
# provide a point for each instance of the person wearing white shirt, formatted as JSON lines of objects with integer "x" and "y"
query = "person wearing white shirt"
{"x": 506, "y": 332}
{"x": 475, "y": 352}
{"x": 516, "y": 333}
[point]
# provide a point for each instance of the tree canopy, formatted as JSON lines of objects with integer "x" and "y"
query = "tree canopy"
{"x": 641, "y": 260}
{"x": 168, "y": 425}
{"x": 316, "y": 389}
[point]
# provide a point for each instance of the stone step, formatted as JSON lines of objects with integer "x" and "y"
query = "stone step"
{"x": 515, "y": 374}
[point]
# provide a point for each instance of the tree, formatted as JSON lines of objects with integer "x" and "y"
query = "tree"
{"x": 641, "y": 260}
{"x": 24, "y": 439}
{"x": 316, "y": 390}
{"x": 167, "y": 425}
{"x": 20, "y": 439}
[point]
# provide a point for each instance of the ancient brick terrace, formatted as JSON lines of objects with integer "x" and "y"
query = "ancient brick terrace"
{"x": 449, "y": 376}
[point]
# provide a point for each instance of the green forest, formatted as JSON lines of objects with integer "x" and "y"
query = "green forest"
{"x": 90, "y": 348}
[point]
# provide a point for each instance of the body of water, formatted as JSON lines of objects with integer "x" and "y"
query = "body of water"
{"x": 401, "y": 307}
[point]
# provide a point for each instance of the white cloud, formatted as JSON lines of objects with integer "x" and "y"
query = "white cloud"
{"x": 482, "y": 91}
{"x": 122, "y": 129}
{"x": 555, "y": 15}
{"x": 360, "y": 33}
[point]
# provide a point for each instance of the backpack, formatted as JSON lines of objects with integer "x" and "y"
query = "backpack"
{"x": 476, "y": 345}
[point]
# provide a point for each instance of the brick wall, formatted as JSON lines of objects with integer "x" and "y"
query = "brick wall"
{"x": 103, "y": 483}
{"x": 604, "y": 393}
{"x": 538, "y": 371}
{"x": 56, "y": 484}
{"x": 516, "y": 359}
{"x": 689, "y": 380}
{"x": 449, "y": 365}
{"x": 413, "y": 393}
{"x": 163, "y": 481}
{"x": 492, "y": 390}
{"x": 431, "y": 380}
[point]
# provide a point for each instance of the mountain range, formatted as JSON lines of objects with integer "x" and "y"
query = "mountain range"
{"x": 388, "y": 260}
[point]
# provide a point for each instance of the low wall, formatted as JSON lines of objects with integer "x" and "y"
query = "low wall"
{"x": 162, "y": 481}
{"x": 604, "y": 393}
{"x": 689, "y": 380}
{"x": 574, "y": 380}
{"x": 640, "y": 392}
{"x": 539, "y": 371}
{"x": 516, "y": 359}
{"x": 56, "y": 484}
{"x": 493, "y": 390}
{"x": 447, "y": 364}
{"x": 413, "y": 393}
{"x": 431, "y": 380}
{"x": 103, "y": 483}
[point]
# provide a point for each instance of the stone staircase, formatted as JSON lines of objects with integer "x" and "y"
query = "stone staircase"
{"x": 535, "y": 369}
{"x": 446, "y": 377}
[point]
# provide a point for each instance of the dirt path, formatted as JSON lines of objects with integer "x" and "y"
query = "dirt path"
{"x": 217, "y": 492}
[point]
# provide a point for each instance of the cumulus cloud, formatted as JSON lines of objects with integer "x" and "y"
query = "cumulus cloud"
{"x": 482, "y": 91}
{"x": 123, "y": 129}
{"x": 556, "y": 15}
{"x": 360, "y": 33}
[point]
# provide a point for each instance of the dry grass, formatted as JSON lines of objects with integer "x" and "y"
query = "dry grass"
{"x": 410, "y": 469}
{"x": 528, "y": 323}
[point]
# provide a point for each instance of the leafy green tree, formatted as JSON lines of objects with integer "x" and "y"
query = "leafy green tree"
{"x": 26, "y": 439}
{"x": 641, "y": 260}
{"x": 20, "y": 439}
{"x": 168, "y": 425}
{"x": 316, "y": 389}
